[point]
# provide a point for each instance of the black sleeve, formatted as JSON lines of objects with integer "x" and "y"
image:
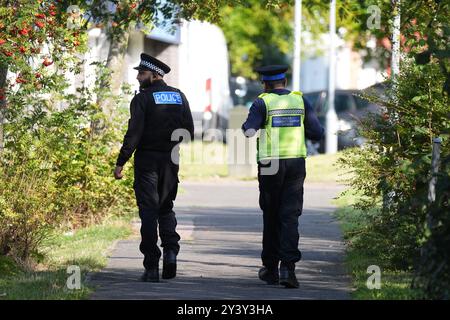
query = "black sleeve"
{"x": 256, "y": 118}
{"x": 188, "y": 123}
{"x": 313, "y": 128}
{"x": 134, "y": 132}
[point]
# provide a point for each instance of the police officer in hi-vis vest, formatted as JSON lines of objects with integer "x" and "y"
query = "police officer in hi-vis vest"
{"x": 286, "y": 119}
{"x": 156, "y": 112}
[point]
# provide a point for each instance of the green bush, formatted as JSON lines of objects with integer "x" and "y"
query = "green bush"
{"x": 84, "y": 157}
{"x": 433, "y": 274}
{"x": 392, "y": 170}
{"x": 56, "y": 168}
{"x": 27, "y": 209}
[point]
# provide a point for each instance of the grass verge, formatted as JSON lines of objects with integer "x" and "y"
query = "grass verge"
{"x": 323, "y": 168}
{"x": 395, "y": 284}
{"x": 203, "y": 160}
{"x": 86, "y": 248}
{"x": 200, "y": 160}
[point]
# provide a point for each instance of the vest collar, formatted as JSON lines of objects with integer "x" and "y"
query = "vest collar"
{"x": 280, "y": 91}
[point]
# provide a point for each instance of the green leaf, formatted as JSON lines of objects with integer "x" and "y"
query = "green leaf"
{"x": 419, "y": 98}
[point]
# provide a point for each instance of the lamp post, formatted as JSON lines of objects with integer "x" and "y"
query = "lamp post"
{"x": 297, "y": 46}
{"x": 331, "y": 117}
{"x": 395, "y": 57}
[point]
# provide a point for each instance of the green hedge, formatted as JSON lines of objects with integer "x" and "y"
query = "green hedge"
{"x": 392, "y": 172}
{"x": 56, "y": 169}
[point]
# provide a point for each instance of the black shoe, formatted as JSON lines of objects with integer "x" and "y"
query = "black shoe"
{"x": 270, "y": 276}
{"x": 169, "y": 265}
{"x": 150, "y": 275}
{"x": 288, "y": 278}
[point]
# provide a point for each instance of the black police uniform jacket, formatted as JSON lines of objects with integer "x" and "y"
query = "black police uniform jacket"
{"x": 156, "y": 112}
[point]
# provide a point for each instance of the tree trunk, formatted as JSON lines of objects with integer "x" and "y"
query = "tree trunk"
{"x": 115, "y": 63}
{"x": 3, "y": 74}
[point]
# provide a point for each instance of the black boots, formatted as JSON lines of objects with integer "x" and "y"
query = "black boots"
{"x": 169, "y": 265}
{"x": 270, "y": 276}
{"x": 150, "y": 275}
{"x": 287, "y": 276}
{"x": 169, "y": 269}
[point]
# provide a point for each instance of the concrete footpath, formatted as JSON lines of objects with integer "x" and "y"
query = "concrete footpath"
{"x": 220, "y": 224}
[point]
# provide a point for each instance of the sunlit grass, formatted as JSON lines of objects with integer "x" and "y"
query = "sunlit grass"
{"x": 203, "y": 160}
{"x": 324, "y": 168}
{"x": 86, "y": 248}
{"x": 395, "y": 284}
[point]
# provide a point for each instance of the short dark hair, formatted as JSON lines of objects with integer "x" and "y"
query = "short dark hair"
{"x": 275, "y": 83}
{"x": 156, "y": 74}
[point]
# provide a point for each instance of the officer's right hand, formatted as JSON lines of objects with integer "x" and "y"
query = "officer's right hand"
{"x": 118, "y": 173}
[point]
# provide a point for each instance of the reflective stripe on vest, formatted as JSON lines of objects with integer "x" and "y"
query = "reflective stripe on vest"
{"x": 284, "y": 134}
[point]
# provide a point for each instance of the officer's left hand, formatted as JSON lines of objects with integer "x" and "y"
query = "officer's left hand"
{"x": 118, "y": 172}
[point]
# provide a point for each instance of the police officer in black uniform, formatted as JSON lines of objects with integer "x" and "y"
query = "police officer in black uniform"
{"x": 288, "y": 120}
{"x": 156, "y": 112}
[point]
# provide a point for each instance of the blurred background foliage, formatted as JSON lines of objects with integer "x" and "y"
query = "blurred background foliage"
{"x": 58, "y": 150}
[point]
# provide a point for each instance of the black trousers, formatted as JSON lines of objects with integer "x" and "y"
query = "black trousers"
{"x": 155, "y": 186}
{"x": 281, "y": 200}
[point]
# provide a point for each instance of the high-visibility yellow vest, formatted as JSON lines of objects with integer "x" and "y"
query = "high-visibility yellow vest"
{"x": 284, "y": 134}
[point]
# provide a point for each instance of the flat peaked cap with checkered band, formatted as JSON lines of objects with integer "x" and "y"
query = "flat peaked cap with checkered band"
{"x": 150, "y": 63}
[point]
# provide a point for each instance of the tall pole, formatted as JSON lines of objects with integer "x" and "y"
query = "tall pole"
{"x": 395, "y": 69}
{"x": 331, "y": 117}
{"x": 297, "y": 45}
{"x": 395, "y": 57}
{"x": 3, "y": 75}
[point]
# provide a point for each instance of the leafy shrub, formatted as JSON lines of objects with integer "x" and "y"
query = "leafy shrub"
{"x": 393, "y": 170}
{"x": 56, "y": 169}
{"x": 433, "y": 274}
{"x": 27, "y": 209}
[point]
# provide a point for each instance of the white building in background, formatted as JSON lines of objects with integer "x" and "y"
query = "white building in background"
{"x": 351, "y": 71}
{"x": 204, "y": 73}
{"x": 197, "y": 55}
